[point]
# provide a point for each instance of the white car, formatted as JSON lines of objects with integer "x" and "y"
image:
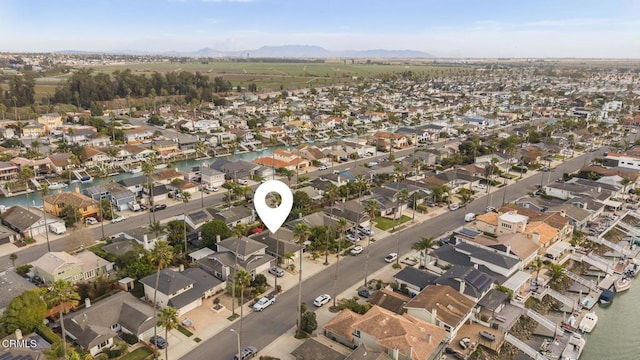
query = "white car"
{"x": 454, "y": 207}
{"x": 352, "y": 237}
{"x": 321, "y": 300}
{"x": 243, "y": 181}
{"x": 118, "y": 219}
{"x": 211, "y": 188}
{"x": 391, "y": 257}
{"x": 323, "y": 167}
{"x": 264, "y": 303}
{"x": 356, "y": 250}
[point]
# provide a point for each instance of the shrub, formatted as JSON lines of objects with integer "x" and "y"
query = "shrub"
{"x": 22, "y": 270}
{"x": 48, "y": 334}
{"x": 129, "y": 338}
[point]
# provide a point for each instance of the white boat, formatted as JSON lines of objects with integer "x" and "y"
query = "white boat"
{"x": 588, "y": 322}
{"x": 161, "y": 166}
{"x": 57, "y": 185}
{"x": 135, "y": 170}
{"x": 622, "y": 284}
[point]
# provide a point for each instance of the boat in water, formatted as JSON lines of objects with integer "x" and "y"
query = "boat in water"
{"x": 571, "y": 323}
{"x": 135, "y": 170}
{"x": 57, "y": 185}
{"x": 622, "y": 284}
{"x": 606, "y": 297}
{"x": 574, "y": 348}
{"x": 588, "y": 322}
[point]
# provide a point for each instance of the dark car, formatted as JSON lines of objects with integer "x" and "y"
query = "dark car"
{"x": 365, "y": 293}
{"x": 159, "y": 342}
{"x": 158, "y": 207}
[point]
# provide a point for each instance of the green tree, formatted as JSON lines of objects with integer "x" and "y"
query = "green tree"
{"x": 557, "y": 273}
{"x": 13, "y": 257}
{"x": 211, "y": 229}
{"x": 308, "y": 322}
{"x": 63, "y": 294}
{"x": 71, "y": 215}
{"x": 25, "y": 174}
{"x": 168, "y": 319}
{"x": 25, "y": 312}
{"x": 242, "y": 279}
{"x": 186, "y": 196}
{"x": 106, "y": 209}
{"x": 537, "y": 265}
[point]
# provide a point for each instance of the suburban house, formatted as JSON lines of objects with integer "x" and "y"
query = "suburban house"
{"x": 183, "y": 290}
{"x": 210, "y": 176}
{"x": 166, "y": 176}
{"x": 8, "y": 171}
{"x": 414, "y": 280}
{"x": 28, "y": 221}
{"x": 95, "y": 327}
{"x": 12, "y": 285}
{"x": 137, "y": 135}
{"x": 195, "y": 219}
{"x": 235, "y": 215}
{"x": 158, "y": 193}
{"x": 467, "y": 280}
{"x": 135, "y": 184}
{"x": 390, "y": 300}
{"x": 84, "y": 265}
{"x": 234, "y": 253}
{"x": 117, "y": 194}
{"x": 50, "y": 121}
{"x": 147, "y": 239}
{"x": 59, "y": 162}
{"x": 400, "y": 336}
{"x": 7, "y": 235}
{"x": 442, "y": 306}
{"x": 54, "y": 204}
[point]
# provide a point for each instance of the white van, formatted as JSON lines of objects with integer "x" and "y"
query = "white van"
{"x": 57, "y": 228}
{"x": 469, "y": 217}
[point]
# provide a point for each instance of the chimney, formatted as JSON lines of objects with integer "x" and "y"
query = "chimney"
{"x": 18, "y": 334}
{"x": 181, "y": 267}
{"x": 217, "y": 238}
{"x": 563, "y": 213}
{"x": 536, "y": 237}
{"x": 508, "y": 249}
{"x": 463, "y": 286}
{"x": 599, "y": 188}
{"x": 77, "y": 189}
{"x": 428, "y": 338}
{"x": 87, "y": 302}
{"x": 394, "y": 353}
{"x": 434, "y": 313}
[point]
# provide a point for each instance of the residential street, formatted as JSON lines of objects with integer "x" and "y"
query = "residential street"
{"x": 282, "y": 315}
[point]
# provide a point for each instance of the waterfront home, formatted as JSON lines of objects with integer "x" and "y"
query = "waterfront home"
{"x": 442, "y": 306}
{"x": 95, "y": 157}
{"x": 165, "y": 148}
{"x": 555, "y": 220}
{"x": 167, "y": 176}
{"x": 8, "y": 171}
{"x": 135, "y": 153}
{"x": 237, "y": 253}
{"x": 28, "y": 221}
{"x": 414, "y": 280}
{"x": 467, "y": 280}
{"x": 400, "y": 336}
{"x": 33, "y": 131}
{"x": 95, "y": 327}
{"x": 183, "y": 290}
{"x": 60, "y": 162}
{"x": 182, "y": 185}
{"x": 211, "y": 176}
{"x": 159, "y": 193}
{"x": 117, "y": 194}
{"x": 498, "y": 265}
{"x": 50, "y": 121}
{"x": 86, "y": 206}
{"x": 233, "y": 170}
{"x": 137, "y": 135}
{"x": 135, "y": 184}
{"x": 54, "y": 266}
{"x": 39, "y": 166}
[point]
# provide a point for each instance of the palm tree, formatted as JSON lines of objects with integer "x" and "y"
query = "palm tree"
{"x": 242, "y": 279}
{"x": 423, "y": 246}
{"x": 162, "y": 255}
{"x": 289, "y": 174}
{"x": 168, "y": 319}
{"x": 402, "y": 196}
{"x": 537, "y": 265}
{"x": 148, "y": 168}
{"x": 331, "y": 192}
{"x": 341, "y": 228}
{"x": 64, "y": 294}
{"x": 13, "y": 257}
{"x": 301, "y": 233}
{"x": 557, "y": 273}
{"x": 186, "y": 196}
{"x": 44, "y": 191}
{"x": 25, "y": 174}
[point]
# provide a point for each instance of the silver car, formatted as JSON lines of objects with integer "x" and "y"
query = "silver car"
{"x": 274, "y": 270}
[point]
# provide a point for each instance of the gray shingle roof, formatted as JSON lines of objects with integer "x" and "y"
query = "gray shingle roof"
{"x": 416, "y": 277}
{"x": 20, "y": 218}
{"x": 244, "y": 246}
{"x": 170, "y": 281}
{"x": 202, "y": 282}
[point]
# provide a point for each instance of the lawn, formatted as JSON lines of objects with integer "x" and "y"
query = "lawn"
{"x": 184, "y": 331}
{"x": 138, "y": 354}
{"x": 384, "y": 223}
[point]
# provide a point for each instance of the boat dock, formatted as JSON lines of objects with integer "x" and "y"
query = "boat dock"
{"x": 36, "y": 184}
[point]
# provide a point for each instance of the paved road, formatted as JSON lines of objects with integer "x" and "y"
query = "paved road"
{"x": 260, "y": 329}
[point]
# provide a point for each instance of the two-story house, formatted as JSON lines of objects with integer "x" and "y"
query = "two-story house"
{"x": 442, "y": 306}
{"x": 54, "y": 204}
{"x": 183, "y": 290}
{"x": 399, "y": 336}
{"x": 165, "y": 148}
{"x": 54, "y": 266}
{"x": 237, "y": 253}
{"x": 212, "y": 177}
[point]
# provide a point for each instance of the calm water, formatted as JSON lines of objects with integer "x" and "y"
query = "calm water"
{"x": 35, "y": 199}
{"x": 617, "y": 334}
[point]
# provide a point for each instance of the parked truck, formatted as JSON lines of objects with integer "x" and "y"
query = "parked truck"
{"x": 134, "y": 206}
{"x": 264, "y": 302}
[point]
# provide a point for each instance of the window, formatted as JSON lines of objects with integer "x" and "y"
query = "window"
{"x": 356, "y": 333}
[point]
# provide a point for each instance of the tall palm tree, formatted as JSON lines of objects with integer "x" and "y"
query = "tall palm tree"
{"x": 168, "y": 319}
{"x": 330, "y": 193}
{"x": 401, "y": 198}
{"x": 148, "y": 168}
{"x": 301, "y": 233}
{"x": 537, "y": 265}
{"x": 44, "y": 191}
{"x": 64, "y": 294}
{"x": 557, "y": 273}
{"x": 423, "y": 246}
{"x": 162, "y": 256}
{"x": 341, "y": 228}
{"x": 372, "y": 208}
{"x": 242, "y": 279}
{"x": 186, "y": 196}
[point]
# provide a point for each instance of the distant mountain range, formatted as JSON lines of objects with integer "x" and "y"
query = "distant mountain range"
{"x": 284, "y": 51}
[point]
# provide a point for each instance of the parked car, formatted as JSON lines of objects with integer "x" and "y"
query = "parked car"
{"x": 158, "y": 207}
{"x": 352, "y": 237}
{"x": 490, "y": 209}
{"x": 454, "y": 207}
{"x": 365, "y": 230}
{"x": 336, "y": 171}
{"x": 356, "y": 250}
{"x": 264, "y": 302}
{"x": 469, "y": 217}
{"x": 323, "y": 167}
{"x": 365, "y": 293}
{"x": 211, "y": 188}
{"x": 247, "y": 352}
{"x": 159, "y": 342}
{"x": 321, "y": 300}
{"x": 243, "y": 181}
{"x": 90, "y": 221}
{"x": 118, "y": 219}
{"x": 277, "y": 271}
{"x": 391, "y": 257}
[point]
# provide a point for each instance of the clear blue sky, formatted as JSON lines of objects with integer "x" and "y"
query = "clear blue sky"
{"x": 465, "y": 28}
